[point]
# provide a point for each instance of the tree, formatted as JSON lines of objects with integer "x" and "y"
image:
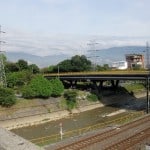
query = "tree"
{"x": 18, "y": 78}
{"x": 75, "y": 64}
{"x": 49, "y": 69}
{"x": 22, "y": 64}
{"x": 38, "y": 87}
{"x": 7, "y": 97}
{"x": 11, "y": 67}
{"x": 64, "y": 66}
{"x": 80, "y": 63}
{"x": 34, "y": 68}
{"x": 58, "y": 87}
{"x": 103, "y": 68}
{"x": 106, "y": 67}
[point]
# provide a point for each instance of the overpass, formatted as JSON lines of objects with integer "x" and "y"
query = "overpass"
{"x": 113, "y": 76}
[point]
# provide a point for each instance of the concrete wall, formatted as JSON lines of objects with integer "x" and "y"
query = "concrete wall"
{"x": 11, "y": 141}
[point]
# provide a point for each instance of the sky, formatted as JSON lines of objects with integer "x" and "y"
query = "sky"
{"x": 51, "y": 27}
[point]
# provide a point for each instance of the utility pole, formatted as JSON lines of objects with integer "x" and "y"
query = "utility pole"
{"x": 147, "y": 56}
{"x": 3, "y": 82}
{"x": 93, "y": 44}
{"x": 148, "y": 67}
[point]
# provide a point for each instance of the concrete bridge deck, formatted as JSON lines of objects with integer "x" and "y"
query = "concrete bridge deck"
{"x": 103, "y": 75}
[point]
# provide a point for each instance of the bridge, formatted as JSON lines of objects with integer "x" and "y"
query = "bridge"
{"x": 100, "y": 77}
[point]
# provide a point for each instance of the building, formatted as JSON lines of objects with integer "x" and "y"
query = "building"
{"x": 120, "y": 65}
{"x": 135, "y": 60}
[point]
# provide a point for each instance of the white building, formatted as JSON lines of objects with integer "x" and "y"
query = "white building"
{"x": 120, "y": 65}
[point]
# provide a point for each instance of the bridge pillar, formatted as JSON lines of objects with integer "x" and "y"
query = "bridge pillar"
{"x": 115, "y": 83}
{"x": 73, "y": 83}
{"x": 95, "y": 85}
{"x": 100, "y": 87}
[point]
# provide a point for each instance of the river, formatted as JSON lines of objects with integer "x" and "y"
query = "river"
{"x": 75, "y": 121}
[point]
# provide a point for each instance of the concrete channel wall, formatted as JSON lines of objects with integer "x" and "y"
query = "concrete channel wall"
{"x": 11, "y": 141}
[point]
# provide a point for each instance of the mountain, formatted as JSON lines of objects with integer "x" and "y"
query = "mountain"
{"x": 97, "y": 56}
{"x": 114, "y": 54}
{"x": 38, "y": 60}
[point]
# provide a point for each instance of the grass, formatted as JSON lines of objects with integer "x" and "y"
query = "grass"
{"x": 134, "y": 87}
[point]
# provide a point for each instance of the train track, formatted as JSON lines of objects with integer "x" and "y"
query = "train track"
{"x": 131, "y": 141}
{"x": 106, "y": 141}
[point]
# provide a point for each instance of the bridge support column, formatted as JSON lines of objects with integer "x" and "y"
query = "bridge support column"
{"x": 114, "y": 83}
{"x": 117, "y": 83}
{"x": 95, "y": 85}
{"x": 101, "y": 84}
{"x": 73, "y": 84}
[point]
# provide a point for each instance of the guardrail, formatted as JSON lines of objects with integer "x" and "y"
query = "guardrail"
{"x": 57, "y": 137}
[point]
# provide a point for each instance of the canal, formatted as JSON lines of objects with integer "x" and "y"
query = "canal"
{"x": 73, "y": 122}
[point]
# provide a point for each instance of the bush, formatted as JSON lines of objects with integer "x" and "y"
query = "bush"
{"x": 92, "y": 97}
{"x": 70, "y": 99}
{"x": 7, "y": 97}
{"x": 18, "y": 78}
{"x": 28, "y": 92}
{"x": 57, "y": 87}
{"x": 38, "y": 87}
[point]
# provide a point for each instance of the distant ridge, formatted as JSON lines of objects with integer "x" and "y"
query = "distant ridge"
{"x": 110, "y": 55}
{"x": 41, "y": 61}
{"x": 103, "y": 56}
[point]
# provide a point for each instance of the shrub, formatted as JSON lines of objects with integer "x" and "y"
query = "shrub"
{"x": 70, "y": 99}
{"x": 57, "y": 87}
{"x": 92, "y": 97}
{"x": 28, "y": 92}
{"x": 7, "y": 97}
{"x": 18, "y": 78}
{"x": 38, "y": 87}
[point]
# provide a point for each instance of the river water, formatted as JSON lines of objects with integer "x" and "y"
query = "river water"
{"x": 73, "y": 122}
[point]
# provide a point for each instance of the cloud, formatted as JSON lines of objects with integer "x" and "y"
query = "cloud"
{"x": 68, "y": 44}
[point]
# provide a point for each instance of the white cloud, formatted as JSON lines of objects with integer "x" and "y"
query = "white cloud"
{"x": 68, "y": 44}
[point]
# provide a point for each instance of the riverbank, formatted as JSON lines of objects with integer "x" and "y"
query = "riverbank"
{"x": 123, "y": 100}
{"x": 43, "y": 118}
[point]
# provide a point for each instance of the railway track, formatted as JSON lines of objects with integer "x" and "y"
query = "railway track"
{"x": 99, "y": 140}
{"x": 131, "y": 141}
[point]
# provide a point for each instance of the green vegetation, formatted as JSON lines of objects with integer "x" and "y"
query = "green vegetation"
{"x": 57, "y": 87}
{"x": 105, "y": 67}
{"x": 7, "y": 97}
{"x": 27, "y": 80}
{"x": 17, "y": 79}
{"x": 70, "y": 96}
{"x": 38, "y": 87}
{"x": 134, "y": 87}
{"x": 92, "y": 97}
